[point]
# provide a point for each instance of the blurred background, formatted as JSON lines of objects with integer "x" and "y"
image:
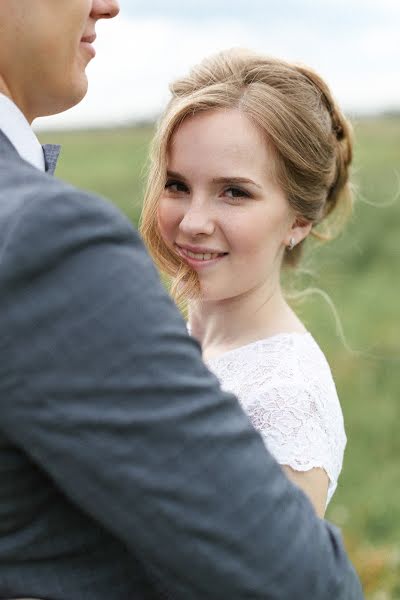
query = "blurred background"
{"x": 354, "y": 45}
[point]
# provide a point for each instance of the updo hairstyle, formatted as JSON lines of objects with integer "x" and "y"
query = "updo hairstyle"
{"x": 294, "y": 108}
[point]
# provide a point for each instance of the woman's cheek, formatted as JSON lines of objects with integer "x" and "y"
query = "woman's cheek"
{"x": 166, "y": 220}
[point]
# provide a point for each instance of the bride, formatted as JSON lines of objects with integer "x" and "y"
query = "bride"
{"x": 250, "y": 156}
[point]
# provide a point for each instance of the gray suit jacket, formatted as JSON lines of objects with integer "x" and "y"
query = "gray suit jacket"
{"x": 125, "y": 472}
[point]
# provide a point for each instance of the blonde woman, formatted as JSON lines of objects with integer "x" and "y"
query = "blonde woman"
{"x": 250, "y": 157}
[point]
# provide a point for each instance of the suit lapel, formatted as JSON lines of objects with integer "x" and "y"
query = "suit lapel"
{"x": 51, "y": 152}
{"x": 6, "y": 147}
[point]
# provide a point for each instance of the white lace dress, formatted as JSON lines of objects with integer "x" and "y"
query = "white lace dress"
{"x": 285, "y": 385}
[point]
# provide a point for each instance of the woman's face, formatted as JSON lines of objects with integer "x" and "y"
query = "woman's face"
{"x": 221, "y": 210}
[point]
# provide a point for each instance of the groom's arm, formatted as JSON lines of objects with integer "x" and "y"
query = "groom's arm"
{"x": 102, "y": 387}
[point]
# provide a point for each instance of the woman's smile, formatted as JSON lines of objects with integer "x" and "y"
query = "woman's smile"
{"x": 198, "y": 257}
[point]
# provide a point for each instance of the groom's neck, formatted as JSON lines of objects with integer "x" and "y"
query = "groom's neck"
{"x": 6, "y": 91}
{"x": 4, "y": 88}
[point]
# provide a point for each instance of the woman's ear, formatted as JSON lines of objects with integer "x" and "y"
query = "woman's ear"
{"x": 298, "y": 232}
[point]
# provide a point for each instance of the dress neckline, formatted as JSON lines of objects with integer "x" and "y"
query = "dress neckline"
{"x": 269, "y": 339}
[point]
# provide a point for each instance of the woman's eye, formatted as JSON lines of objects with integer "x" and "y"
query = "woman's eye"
{"x": 176, "y": 187}
{"x": 234, "y": 192}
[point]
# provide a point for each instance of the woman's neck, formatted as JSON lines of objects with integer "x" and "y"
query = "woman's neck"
{"x": 228, "y": 324}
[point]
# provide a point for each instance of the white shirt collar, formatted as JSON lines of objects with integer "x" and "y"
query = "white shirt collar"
{"x": 15, "y": 126}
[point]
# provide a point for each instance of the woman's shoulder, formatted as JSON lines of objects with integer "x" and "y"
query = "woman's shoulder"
{"x": 289, "y": 369}
{"x": 285, "y": 385}
{"x": 294, "y": 357}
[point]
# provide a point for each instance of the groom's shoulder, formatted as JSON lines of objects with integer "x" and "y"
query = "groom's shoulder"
{"x": 32, "y": 199}
{"x": 26, "y": 190}
{"x": 42, "y": 217}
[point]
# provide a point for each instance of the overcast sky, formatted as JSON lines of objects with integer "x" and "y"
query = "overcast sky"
{"x": 354, "y": 44}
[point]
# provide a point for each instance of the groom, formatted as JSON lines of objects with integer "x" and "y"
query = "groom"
{"x": 125, "y": 472}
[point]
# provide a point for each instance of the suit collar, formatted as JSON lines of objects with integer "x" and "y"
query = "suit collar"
{"x": 15, "y": 126}
{"x": 51, "y": 152}
{"x": 6, "y": 146}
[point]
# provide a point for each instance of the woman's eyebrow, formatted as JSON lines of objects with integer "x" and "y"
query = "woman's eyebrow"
{"x": 175, "y": 175}
{"x": 217, "y": 180}
{"x": 235, "y": 180}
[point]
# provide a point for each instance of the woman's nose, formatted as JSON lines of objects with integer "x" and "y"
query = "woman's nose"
{"x": 197, "y": 220}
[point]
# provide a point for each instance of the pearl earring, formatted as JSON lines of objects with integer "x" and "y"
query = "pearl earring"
{"x": 292, "y": 243}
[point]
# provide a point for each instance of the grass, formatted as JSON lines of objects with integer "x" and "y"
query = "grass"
{"x": 360, "y": 272}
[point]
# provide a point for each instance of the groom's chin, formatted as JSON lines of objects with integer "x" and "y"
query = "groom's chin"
{"x": 65, "y": 99}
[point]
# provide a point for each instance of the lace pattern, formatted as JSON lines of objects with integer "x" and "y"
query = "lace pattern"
{"x": 285, "y": 385}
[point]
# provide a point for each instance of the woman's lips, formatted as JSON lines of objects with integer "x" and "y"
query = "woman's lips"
{"x": 200, "y": 258}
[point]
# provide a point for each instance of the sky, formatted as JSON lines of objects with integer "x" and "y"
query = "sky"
{"x": 353, "y": 44}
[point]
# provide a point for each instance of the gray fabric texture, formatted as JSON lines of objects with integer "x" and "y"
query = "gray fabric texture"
{"x": 51, "y": 154}
{"x": 125, "y": 472}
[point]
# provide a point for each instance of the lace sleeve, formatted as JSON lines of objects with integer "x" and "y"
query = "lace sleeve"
{"x": 296, "y": 431}
{"x": 292, "y": 402}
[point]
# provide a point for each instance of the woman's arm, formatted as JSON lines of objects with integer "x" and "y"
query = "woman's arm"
{"x": 314, "y": 484}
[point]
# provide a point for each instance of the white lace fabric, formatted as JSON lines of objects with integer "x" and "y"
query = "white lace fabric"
{"x": 285, "y": 385}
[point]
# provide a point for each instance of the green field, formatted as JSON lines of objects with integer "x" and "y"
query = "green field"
{"x": 360, "y": 272}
